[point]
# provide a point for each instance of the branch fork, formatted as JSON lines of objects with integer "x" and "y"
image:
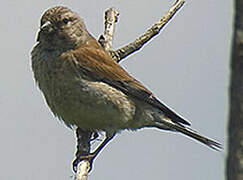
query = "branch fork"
{"x": 82, "y": 167}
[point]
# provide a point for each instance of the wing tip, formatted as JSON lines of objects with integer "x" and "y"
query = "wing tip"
{"x": 214, "y": 145}
{"x": 179, "y": 120}
{"x": 183, "y": 121}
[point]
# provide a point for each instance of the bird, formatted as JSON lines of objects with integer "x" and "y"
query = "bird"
{"x": 85, "y": 88}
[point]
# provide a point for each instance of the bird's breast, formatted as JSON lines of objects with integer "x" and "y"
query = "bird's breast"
{"x": 90, "y": 105}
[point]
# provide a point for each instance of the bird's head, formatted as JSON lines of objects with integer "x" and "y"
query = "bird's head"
{"x": 62, "y": 28}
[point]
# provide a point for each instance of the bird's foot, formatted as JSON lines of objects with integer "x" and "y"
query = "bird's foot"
{"x": 90, "y": 158}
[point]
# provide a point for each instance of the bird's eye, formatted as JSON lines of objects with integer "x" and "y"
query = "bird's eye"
{"x": 65, "y": 20}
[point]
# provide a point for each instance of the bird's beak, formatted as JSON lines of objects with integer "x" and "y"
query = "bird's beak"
{"x": 46, "y": 28}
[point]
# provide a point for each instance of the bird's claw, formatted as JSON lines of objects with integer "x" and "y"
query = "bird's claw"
{"x": 90, "y": 158}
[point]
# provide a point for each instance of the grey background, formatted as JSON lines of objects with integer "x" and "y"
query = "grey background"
{"x": 186, "y": 66}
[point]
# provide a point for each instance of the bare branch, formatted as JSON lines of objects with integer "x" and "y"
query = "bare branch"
{"x": 81, "y": 167}
{"x": 111, "y": 17}
{"x": 125, "y": 51}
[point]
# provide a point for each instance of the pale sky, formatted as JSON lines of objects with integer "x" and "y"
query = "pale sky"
{"x": 186, "y": 67}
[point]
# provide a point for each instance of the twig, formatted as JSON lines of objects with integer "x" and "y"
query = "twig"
{"x": 111, "y": 17}
{"x": 125, "y": 51}
{"x": 82, "y": 167}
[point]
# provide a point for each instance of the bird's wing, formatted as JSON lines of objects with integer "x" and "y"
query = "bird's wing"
{"x": 96, "y": 62}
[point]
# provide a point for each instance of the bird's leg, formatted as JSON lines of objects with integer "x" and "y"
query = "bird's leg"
{"x": 90, "y": 157}
{"x": 83, "y": 146}
{"x": 102, "y": 145}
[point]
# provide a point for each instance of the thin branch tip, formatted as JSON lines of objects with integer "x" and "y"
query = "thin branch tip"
{"x": 155, "y": 29}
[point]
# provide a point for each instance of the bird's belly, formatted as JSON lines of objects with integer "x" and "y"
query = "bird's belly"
{"x": 92, "y": 105}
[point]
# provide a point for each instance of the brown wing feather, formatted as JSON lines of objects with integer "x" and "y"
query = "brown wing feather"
{"x": 93, "y": 58}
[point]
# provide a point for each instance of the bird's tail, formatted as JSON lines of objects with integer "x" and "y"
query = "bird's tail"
{"x": 162, "y": 122}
